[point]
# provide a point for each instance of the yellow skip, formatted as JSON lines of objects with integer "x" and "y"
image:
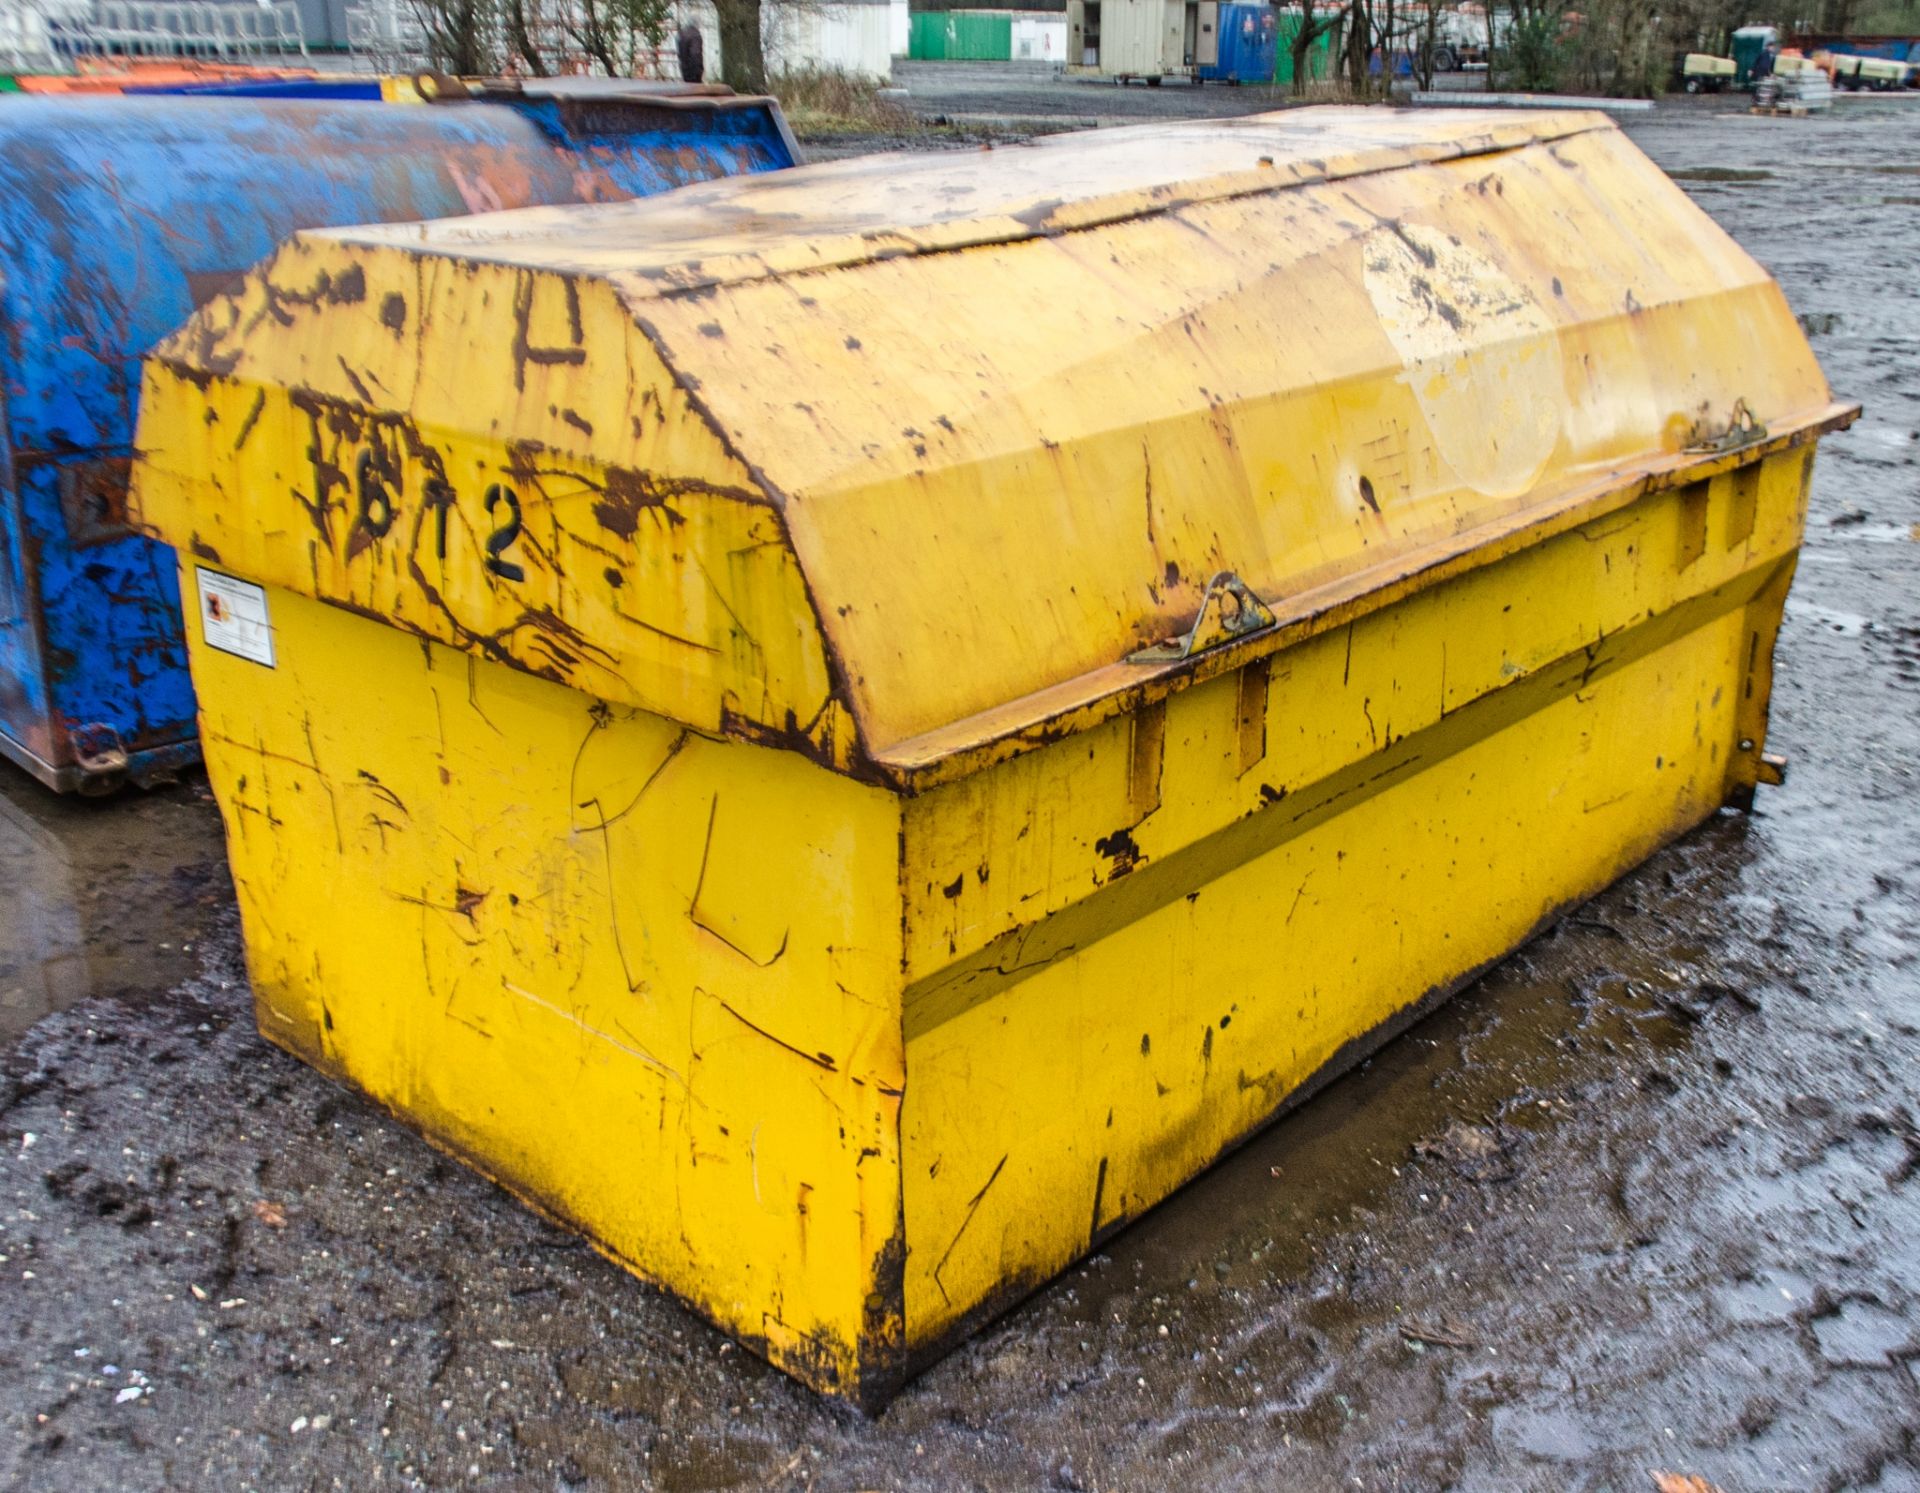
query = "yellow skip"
{"x": 845, "y": 732}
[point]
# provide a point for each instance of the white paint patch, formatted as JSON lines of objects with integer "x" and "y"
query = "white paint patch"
{"x": 1483, "y": 360}
{"x": 1847, "y": 624}
{"x": 1878, "y": 533}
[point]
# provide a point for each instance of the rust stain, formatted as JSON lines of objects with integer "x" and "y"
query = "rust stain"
{"x": 524, "y": 350}
{"x": 629, "y": 495}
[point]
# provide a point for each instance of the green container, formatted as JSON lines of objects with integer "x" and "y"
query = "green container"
{"x": 961, "y": 36}
{"x": 1319, "y": 58}
{"x": 1748, "y": 43}
{"x": 981, "y": 36}
{"x": 927, "y": 36}
{"x": 8, "y": 83}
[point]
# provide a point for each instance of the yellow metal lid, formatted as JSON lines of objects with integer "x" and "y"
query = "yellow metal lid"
{"x": 911, "y": 461}
{"x": 847, "y": 212}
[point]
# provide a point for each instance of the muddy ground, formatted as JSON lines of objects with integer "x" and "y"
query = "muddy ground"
{"x": 1647, "y": 1197}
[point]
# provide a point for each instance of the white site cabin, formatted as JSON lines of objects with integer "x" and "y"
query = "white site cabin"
{"x": 1148, "y": 39}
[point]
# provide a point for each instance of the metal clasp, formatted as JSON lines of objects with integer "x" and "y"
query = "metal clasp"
{"x": 1228, "y": 612}
{"x": 1742, "y": 430}
{"x": 100, "y": 755}
{"x": 93, "y": 496}
{"x": 436, "y": 87}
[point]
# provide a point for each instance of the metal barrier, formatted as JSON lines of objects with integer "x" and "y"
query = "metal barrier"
{"x": 389, "y": 34}
{"x": 181, "y": 28}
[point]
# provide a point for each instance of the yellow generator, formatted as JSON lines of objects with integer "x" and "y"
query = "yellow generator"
{"x": 845, "y": 732}
{"x": 1702, "y": 72}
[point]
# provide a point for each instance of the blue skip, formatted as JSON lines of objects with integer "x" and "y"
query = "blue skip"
{"x": 119, "y": 216}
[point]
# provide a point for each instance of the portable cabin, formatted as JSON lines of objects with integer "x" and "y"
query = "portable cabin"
{"x": 1146, "y": 39}
{"x": 1748, "y": 43}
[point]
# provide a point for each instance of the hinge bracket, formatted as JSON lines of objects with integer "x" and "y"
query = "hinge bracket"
{"x": 1742, "y": 430}
{"x": 1228, "y": 612}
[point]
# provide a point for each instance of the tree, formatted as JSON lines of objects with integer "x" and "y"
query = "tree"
{"x": 1409, "y": 31}
{"x": 1426, "y": 44}
{"x": 1532, "y": 51}
{"x": 542, "y": 37}
{"x": 743, "y": 62}
{"x": 520, "y": 36}
{"x": 1359, "y": 39}
{"x": 614, "y": 33}
{"x": 1312, "y": 28}
{"x": 459, "y": 35}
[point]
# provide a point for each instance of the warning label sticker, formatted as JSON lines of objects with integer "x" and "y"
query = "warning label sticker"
{"x": 234, "y": 618}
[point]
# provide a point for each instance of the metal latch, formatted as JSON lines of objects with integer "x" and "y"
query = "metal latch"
{"x": 1228, "y": 612}
{"x": 100, "y": 755}
{"x": 93, "y": 496}
{"x": 436, "y": 87}
{"x": 1742, "y": 430}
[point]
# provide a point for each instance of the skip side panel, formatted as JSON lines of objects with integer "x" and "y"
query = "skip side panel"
{"x": 644, "y": 979}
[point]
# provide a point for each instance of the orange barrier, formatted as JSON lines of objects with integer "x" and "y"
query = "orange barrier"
{"x": 120, "y": 74}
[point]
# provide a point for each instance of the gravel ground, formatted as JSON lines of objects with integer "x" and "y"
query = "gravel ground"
{"x": 1647, "y": 1197}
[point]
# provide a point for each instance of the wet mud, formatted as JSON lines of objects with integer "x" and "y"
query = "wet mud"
{"x": 1645, "y": 1198}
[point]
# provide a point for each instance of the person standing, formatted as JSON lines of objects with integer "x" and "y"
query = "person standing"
{"x": 692, "y": 47}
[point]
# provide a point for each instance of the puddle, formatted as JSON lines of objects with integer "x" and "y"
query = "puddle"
{"x": 1889, "y": 437}
{"x": 104, "y": 896}
{"x": 1773, "y": 1298}
{"x": 1847, "y": 624}
{"x": 1879, "y": 533}
{"x": 1719, "y": 173}
{"x": 1863, "y": 1334}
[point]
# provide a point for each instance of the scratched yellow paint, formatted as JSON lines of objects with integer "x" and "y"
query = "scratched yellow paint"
{"x": 1422, "y": 790}
{"x": 538, "y": 926}
{"x": 703, "y": 780}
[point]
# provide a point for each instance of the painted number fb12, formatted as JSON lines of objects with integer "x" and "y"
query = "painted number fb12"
{"x": 234, "y": 616}
{"x": 377, "y": 510}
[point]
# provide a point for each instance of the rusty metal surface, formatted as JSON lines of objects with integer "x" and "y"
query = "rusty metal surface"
{"x": 118, "y": 216}
{"x": 1494, "y": 329}
{"x": 897, "y": 468}
{"x": 1652, "y": 1180}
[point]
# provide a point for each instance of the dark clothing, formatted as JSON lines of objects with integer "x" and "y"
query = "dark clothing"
{"x": 692, "y": 48}
{"x": 1763, "y": 65}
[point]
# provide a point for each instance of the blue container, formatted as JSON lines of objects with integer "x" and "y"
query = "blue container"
{"x": 1247, "y": 34}
{"x": 1890, "y": 48}
{"x": 118, "y": 216}
{"x": 362, "y": 89}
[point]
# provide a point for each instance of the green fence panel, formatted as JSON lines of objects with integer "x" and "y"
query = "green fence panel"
{"x": 1319, "y": 60}
{"x": 960, "y": 36}
{"x": 980, "y": 36}
{"x": 927, "y": 36}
